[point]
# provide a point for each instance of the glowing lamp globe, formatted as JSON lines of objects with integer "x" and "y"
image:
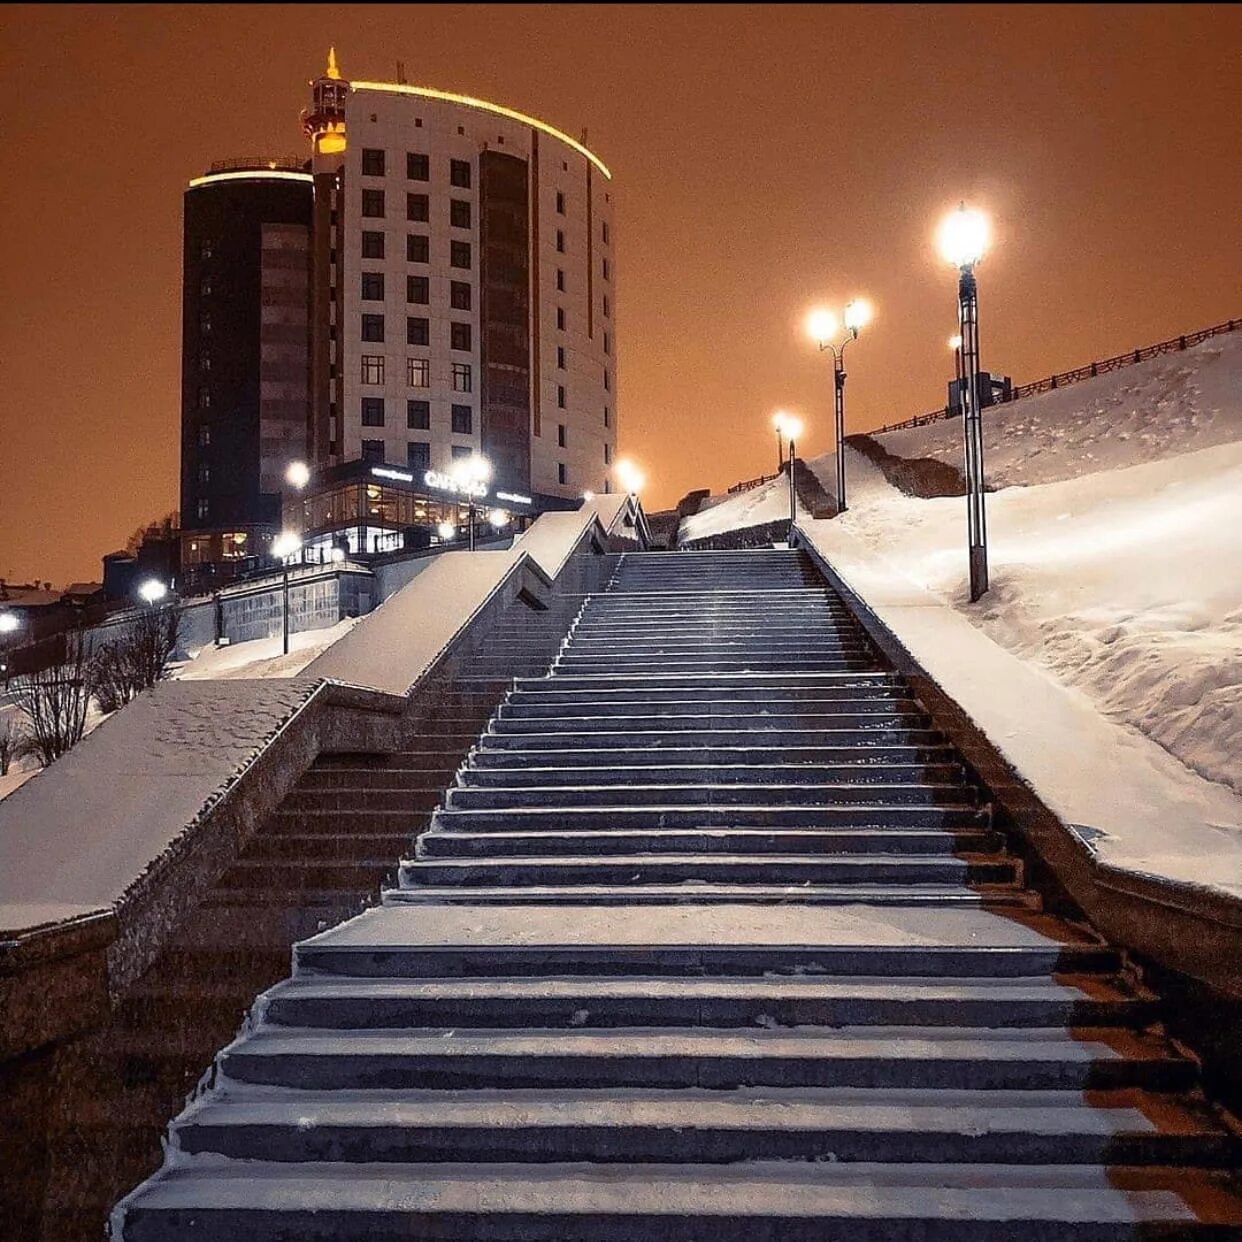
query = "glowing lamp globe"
{"x": 821, "y": 325}
{"x": 588, "y": 496}
{"x": 963, "y": 237}
{"x": 298, "y": 474}
{"x": 629, "y": 476}
{"x": 285, "y": 545}
{"x": 857, "y": 315}
{"x": 152, "y": 591}
{"x": 446, "y": 530}
{"x": 955, "y": 342}
{"x": 9, "y": 622}
{"x": 498, "y": 519}
{"x": 789, "y": 425}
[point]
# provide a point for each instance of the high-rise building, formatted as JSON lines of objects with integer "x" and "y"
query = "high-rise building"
{"x": 459, "y": 278}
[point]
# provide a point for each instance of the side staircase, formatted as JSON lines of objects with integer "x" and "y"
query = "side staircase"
{"x": 710, "y": 937}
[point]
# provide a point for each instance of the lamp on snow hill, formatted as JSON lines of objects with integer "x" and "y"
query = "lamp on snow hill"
{"x": 821, "y": 326}
{"x": 962, "y": 240}
{"x": 790, "y": 425}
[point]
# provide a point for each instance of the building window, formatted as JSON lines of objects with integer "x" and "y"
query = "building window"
{"x": 459, "y": 295}
{"x": 418, "y": 289}
{"x": 561, "y": 475}
{"x": 417, "y": 167}
{"x": 607, "y": 307}
{"x": 605, "y": 232}
{"x": 560, "y": 280}
{"x": 607, "y": 343}
{"x": 607, "y": 417}
{"x": 560, "y": 202}
{"x": 461, "y": 451}
{"x": 372, "y": 244}
{"x": 560, "y": 396}
{"x": 459, "y": 336}
{"x": 204, "y": 473}
{"x": 373, "y": 202}
{"x": 372, "y": 162}
{"x": 372, "y": 368}
{"x": 607, "y": 270}
{"x": 560, "y": 318}
{"x": 204, "y": 398}
{"x": 372, "y": 286}
{"x": 203, "y": 508}
{"x": 607, "y": 382}
{"x": 204, "y": 287}
{"x": 459, "y": 173}
{"x": 560, "y": 240}
{"x": 417, "y": 373}
{"x": 459, "y": 254}
{"x": 204, "y": 322}
{"x": 417, "y": 248}
{"x": 459, "y": 213}
{"x": 418, "y": 415}
{"x": 607, "y": 454}
{"x": 560, "y": 435}
{"x": 204, "y": 361}
{"x": 204, "y": 437}
{"x": 463, "y": 420}
{"x": 417, "y": 207}
{"x": 418, "y": 455}
{"x": 463, "y": 377}
{"x": 372, "y": 411}
{"x": 204, "y": 249}
{"x": 560, "y": 357}
{"x": 373, "y": 327}
{"x": 417, "y": 331}
{"x": 373, "y": 450}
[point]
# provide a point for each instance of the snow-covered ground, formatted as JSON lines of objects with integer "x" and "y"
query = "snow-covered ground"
{"x": 261, "y": 657}
{"x": 769, "y": 502}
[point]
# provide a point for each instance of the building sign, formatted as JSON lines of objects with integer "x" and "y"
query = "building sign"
{"x": 387, "y": 472}
{"x": 514, "y": 498}
{"x": 446, "y": 483}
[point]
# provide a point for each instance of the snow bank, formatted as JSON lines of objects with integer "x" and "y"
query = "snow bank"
{"x": 261, "y": 657}
{"x": 1169, "y": 405}
{"x": 769, "y": 502}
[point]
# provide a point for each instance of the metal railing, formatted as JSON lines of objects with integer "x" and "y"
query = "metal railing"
{"x": 247, "y": 163}
{"x": 747, "y": 484}
{"x": 1064, "y": 378}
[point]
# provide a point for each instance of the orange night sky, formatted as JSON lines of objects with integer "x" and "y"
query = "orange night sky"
{"x": 765, "y": 157}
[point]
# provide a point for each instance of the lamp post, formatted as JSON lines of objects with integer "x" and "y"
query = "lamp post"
{"x": 789, "y": 425}
{"x": 472, "y": 475}
{"x": 963, "y": 238}
{"x": 285, "y": 546}
{"x": 778, "y": 423}
{"x": 822, "y": 328}
{"x": 955, "y": 344}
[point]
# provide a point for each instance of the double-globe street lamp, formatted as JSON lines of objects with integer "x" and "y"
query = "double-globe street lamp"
{"x": 822, "y": 327}
{"x": 790, "y": 426}
{"x": 963, "y": 238}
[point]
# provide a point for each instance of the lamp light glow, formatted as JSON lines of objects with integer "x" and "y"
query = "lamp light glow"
{"x": 857, "y": 315}
{"x": 475, "y": 469}
{"x": 955, "y": 342}
{"x": 446, "y": 530}
{"x": 9, "y": 621}
{"x": 286, "y": 544}
{"x": 152, "y": 591}
{"x": 821, "y": 325}
{"x": 963, "y": 236}
{"x": 789, "y": 425}
{"x": 629, "y": 476}
{"x": 498, "y": 519}
{"x": 588, "y": 496}
{"x": 298, "y": 474}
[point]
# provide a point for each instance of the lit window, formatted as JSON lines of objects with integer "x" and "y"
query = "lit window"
{"x": 204, "y": 437}
{"x": 372, "y": 411}
{"x": 418, "y": 415}
{"x": 372, "y": 368}
{"x": 417, "y": 248}
{"x": 203, "y": 508}
{"x": 459, "y": 213}
{"x": 459, "y": 173}
{"x": 463, "y": 420}
{"x": 204, "y": 398}
{"x": 372, "y": 286}
{"x": 417, "y": 207}
{"x": 372, "y": 162}
{"x": 459, "y": 295}
{"x": 204, "y": 474}
{"x": 373, "y": 327}
{"x": 372, "y": 244}
{"x": 459, "y": 254}
{"x": 417, "y": 373}
{"x": 417, "y": 167}
{"x": 463, "y": 377}
{"x": 373, "y": 203}
{"x": 204, "y": 361}
{"x": 418, "y": 289}
{"x": 417, "y": 331}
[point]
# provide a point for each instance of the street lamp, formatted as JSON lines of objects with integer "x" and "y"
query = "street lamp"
{"x": 446, "y": 530}
{"x": 285, "y": 546}
{"x": 791, "y": 426}
{"x": 152, "y": 591}
{"x": 471, "y": 474}
{"x": 821, "y": 326}
{"x": 498, "y": 519}
{"x": 298, "y": 474}
{"x": 629, "y": 476}
{"x": 963, "y": 238}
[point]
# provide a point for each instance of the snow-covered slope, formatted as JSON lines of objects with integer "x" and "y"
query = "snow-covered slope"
{"x": 769, "y": 502}
{"x": 1172, "y": 404}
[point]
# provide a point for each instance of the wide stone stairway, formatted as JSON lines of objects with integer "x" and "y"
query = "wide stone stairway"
{"x": 710, "y": 938}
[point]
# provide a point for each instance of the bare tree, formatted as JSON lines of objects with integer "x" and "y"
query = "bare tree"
{"x": 136, "y": 660}
{"x": 54, "y": 701}
{"x": 11, "y": 744}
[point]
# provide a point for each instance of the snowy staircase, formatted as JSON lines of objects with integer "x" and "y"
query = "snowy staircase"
{"x": 712, "y": 938}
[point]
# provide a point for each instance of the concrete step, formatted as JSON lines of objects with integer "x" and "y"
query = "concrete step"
{"x": 784, "y": 759}
{"x": 665, "y": 737}
{"x": 721, "y": 773}
{"x": 881, "y": 722}
{"x": 633, "y": 795}
{"x": 773, "y": 662}
{"x": 359, "y": 847}
{"x": 886, "y": 1058}
{"x": 1129, "y": 1127}
{"x": 360, "y": 780}
{"x": 292, "y": 874}
{"x": 344, "y": 822}
{"x": 758, "y": 680}
{"x": 527, "y": 819}
{"x": 549, "y": 693}
{"x": 347, "y": 798}
{"x": 355, "y": 1004}
{"x": 748, "y": 868}
{"x": 771, "y": 708}
{"x": 810, "y": 841}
